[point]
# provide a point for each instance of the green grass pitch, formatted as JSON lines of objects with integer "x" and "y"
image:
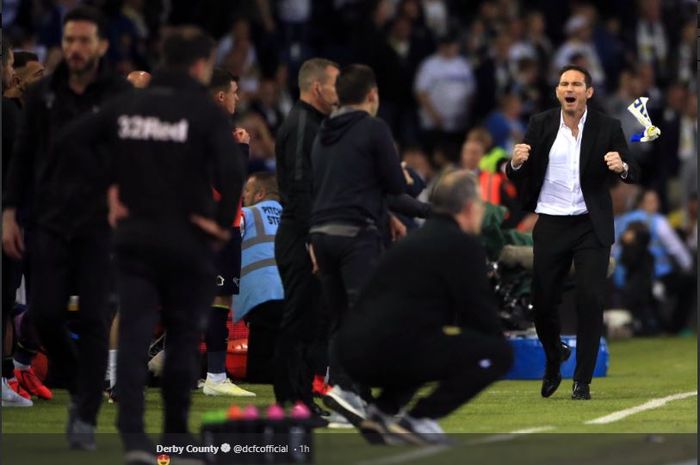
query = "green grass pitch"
{"x": 640, "y": 370}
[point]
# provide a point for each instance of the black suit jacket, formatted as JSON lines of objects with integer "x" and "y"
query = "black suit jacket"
{"x": 601, "y": 134}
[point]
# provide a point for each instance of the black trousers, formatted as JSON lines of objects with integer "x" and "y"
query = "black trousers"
{"x": 11, "y": 277}
{"x": 345, "y": 264}
{"x": 559, "y": 240}
{"x": 302, "y": 340}
{"x": 155, "y": 285}
{"x": 263, "y": 325}
{"x": 462, "y": 364}
{"x": 59, "y": 266}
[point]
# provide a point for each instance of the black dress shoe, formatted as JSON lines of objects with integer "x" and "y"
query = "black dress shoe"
{"x": 581, "y": 391}
{"x": 552, "y": 374}
{"x": 550, "y": 382}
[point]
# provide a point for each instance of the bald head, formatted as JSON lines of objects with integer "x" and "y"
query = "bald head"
{"x": 139, "y": 79}
{"x": 457, "y": 194}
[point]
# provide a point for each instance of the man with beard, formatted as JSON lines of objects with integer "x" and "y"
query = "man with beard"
{"x": 70, "y": 235}
{"x": 28, "y": 70}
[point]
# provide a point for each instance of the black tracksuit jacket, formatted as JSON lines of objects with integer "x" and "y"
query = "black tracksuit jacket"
{"x": 166, "y": 147}
{"x": 355, "y": 165}
{"x": 36, "y": 179}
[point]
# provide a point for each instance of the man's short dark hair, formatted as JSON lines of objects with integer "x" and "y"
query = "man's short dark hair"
{"x": 221, "y": 80}
{"x": 22, "y": 58}
{"x": 587, "y": 76}
{"x": 454, "y": 190}
{"x": 185, "y": 46}
{"x": 354, "y": 83}
{"x": 89, "y": 14}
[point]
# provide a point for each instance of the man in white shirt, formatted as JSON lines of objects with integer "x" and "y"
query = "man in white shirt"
{"x": 444, "y": 87}
{"x": 569, "y": 159}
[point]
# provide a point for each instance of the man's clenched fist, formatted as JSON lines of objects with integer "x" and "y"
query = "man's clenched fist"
{"x": 521, "y": 152}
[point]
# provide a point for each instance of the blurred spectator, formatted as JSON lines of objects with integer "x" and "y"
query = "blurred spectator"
{"x": 418, "y": 161}
{"x": 538, "y": 40}
{"x": 267, "y": 105}
{"x": 649, "y": 39}
{"x": 48, "y": 16}
{"x": 504, "y": 123}
{"x": 672, "y": 261}
{"x": 420, "y": 34}
{"x": 262, "y": 144}
{"x": 294, "y": 18}
{"x": 666, "y": 162}
{"x": 685, "y": 222}
{"x": 579, "y": 42}
{"x": 532, "y": 89}
{"x": 237, "y": 54}
{"x": 444, "y": 88}
{"x": 472, "y": 152}
{"x": 436, "y": 16}
{"x": 494, "y": 76}
{"x": 494, "y": 153}
{"x": 650, "y": 88}
{"x": 687, "y": 148}
{"x": 285, "y": 97}
{"x": 476, "y": 42}
{"x": 637, "y": 293}
{"x": 683, "y": 59}
{"x": 521, "y": 48}
{"x": 608, "y": 43}
{"x": 629, "y": 88}
{"x": 127, "y": 33}
{"x": 395, "y": 59}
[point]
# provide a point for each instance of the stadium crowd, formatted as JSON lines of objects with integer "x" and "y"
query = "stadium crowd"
{"x": 457, "y": 84}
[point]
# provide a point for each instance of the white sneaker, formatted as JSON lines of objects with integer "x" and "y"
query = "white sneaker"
{"x": 346, "y": 403}
{"x": 11, "y": 399}
{"x": 337, "y": 421}
{"x": 419, "y": 431}
{"x": 225, "y": 388}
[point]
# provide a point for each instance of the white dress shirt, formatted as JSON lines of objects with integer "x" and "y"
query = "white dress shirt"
{"x": 561, "y": 191}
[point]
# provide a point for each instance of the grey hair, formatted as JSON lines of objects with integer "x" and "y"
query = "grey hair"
{"x": 454, "y": 190}
{"x": 313, "y": 69}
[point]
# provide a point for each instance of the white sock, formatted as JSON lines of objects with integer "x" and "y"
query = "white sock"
{"x": 216, "y": 377}
{"x": 20, "y": 366}
{"x": 112, "y": 368}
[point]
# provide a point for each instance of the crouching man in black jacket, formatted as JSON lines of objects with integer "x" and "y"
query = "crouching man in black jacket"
{"x": 434, "y": 322}
{"x": 167, "y": 146}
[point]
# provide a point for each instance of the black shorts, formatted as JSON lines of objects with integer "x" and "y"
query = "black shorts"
{"x": 228, "y": 265}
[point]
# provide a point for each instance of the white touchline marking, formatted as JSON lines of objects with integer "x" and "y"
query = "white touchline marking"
{"x": 615, "y": 416}
{"x": 538, "y": 429}
{"x": 434, "y": 450}
{"x": 652, "y": 404}
{"x": 407, "y": 456}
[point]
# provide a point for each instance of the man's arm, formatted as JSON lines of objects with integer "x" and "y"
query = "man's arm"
{"x": 619, "y": 145}
{"x": 387, "y": 161}
{"x": 19, "y": 178}
{"x": 293, "y": 149}
{"x": 20, "y": 174}
{"x": 519, "y": 168}
{"x": 407, "y": 205}
{"x": 229, "y": 172}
